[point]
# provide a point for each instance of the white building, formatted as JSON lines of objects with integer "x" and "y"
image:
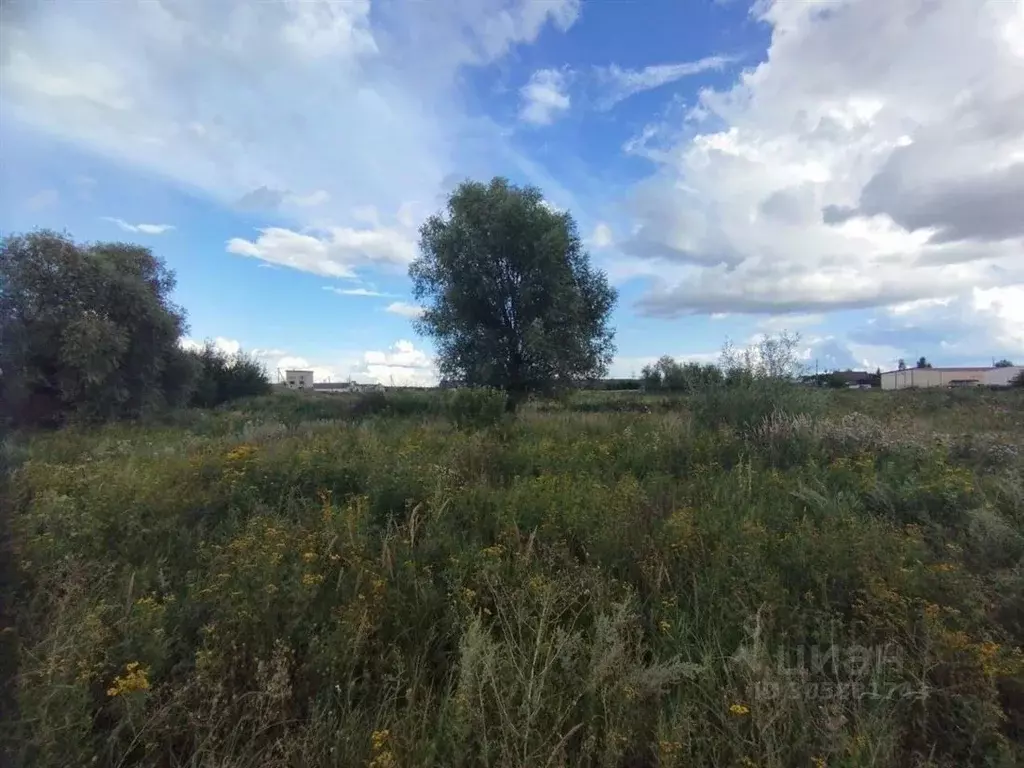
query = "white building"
{"x": 1002, "y": 377}
{"x": 298, "y": 379}
{"x": 934, "y": 377}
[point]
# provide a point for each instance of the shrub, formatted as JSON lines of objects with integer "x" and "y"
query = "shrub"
{"x": 476, "y": 407}
{"x": 89, "y": 331}
{"x": 223, "y": 377}
{"x": 746, "y": 406}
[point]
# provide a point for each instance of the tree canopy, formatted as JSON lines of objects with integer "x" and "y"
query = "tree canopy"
{"x": 509, "y": 294}
{"x": 87, "y": 328}
{"x": 1004, "y": 363}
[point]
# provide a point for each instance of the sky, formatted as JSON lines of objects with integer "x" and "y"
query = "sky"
{"x": 851, "y": 170}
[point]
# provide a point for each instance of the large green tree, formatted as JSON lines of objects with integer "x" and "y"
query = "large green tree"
{"x": 510, "y": 296}
{"x": 87, "y": 329}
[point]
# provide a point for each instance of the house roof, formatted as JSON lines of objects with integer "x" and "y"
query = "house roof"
{"x": 943, "y": 368}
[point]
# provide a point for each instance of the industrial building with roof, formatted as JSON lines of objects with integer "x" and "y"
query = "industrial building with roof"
{"x": 980, "y": 376}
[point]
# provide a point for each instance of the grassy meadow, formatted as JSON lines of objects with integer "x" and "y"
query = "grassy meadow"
{"x": 752, "y": 577}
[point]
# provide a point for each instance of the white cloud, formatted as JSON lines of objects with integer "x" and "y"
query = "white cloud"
{"x": 336, "y": 29}
{"x": 1002, "y": 311}
{"x": 230, "y": 97}
{"x": 875, "y": 157}
{"x": 45, "y": 198}
{"x": 337, "y": 253}
{"x": 313, "y": 199}
{"x": 405, "y": 309}
{"x": 602, "y": 236}
{"x": 355, "y": 291}
{"x": 145, "y": 229}
{"x": 402, "y": 365}
{"x": 623, "y": 83}
{"x": 227, "y": 346}
{"x": 544, "y": 97}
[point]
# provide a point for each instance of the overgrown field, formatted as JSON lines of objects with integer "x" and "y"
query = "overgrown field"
{"x": 741, "y": 578}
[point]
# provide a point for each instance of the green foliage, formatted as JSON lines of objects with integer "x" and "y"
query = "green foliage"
{"x": 746, "y": 406}
{"x": 922, "y": 362}
{"x": 281, "y": 583}
{"x": 1004, "y": 363}
{"x": 223, "y": 377}
{"x": 511, "y": 299}
{"x": 835, "y": 381}
{"x": 668, "y": 375}
{"x": 475, "y": 407}
{"x": 88, "y": 330}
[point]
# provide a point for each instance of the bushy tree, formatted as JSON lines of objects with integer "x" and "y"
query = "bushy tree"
{"x": 87, "y": 329}
{"x": 1004, "y": 363}
{"x": 771, "y": 357}
{"x": 667, "y": 374}
{"x": 510, "y": 297}
{"x": 922, "y": 362}
{"x": 223, "y": 377}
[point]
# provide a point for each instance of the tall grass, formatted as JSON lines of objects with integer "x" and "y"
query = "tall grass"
{"x": 769, "y": 579}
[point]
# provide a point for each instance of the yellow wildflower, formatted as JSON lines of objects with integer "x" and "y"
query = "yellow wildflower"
{"x": 664, "y": 627}
{"x": 383, "y": 757}
{"x": 311, "y": 579}
{"x": 135, "y": 678}
{"x": 668, "y": 748}
{"x": 819, "y": 762}
{"x": 309, "y": 557}
{"x": 739, "y": 710}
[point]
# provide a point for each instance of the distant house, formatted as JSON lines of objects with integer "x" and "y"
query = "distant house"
{"x": 295, "y": 379}
{"x": 334, "y": 387}
{"x": 854, "y": 378}
{"x": 339, "y": 387}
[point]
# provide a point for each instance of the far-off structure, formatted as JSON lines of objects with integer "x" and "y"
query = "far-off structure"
{"x": 922, "y": 378}
{"x": 296, "y": 379}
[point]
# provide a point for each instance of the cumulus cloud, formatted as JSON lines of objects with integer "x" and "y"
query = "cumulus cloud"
{"x": 336, "y": 253}
{"x": 355, "y": 291}
{"x": 544, "y": 97}
{"x": 402, "y": 365}
{"x": 602, "y": 236}
{"x": 227, "y": 346}
{"x": 145, "y": 229}
{"x": 313, "y": 199}
{"x": 405, "y": 309}
{"x": 243, "y": 101}
{"x": 622, "y": 83}
{"x": 875, "y": 157}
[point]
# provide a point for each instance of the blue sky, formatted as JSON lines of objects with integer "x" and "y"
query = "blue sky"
{"x": 851, "y": 170}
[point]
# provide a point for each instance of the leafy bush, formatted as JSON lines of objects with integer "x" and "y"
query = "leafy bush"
{"x": 224, "y": 377}
{"x": 89, "y": 331}
{"x": 476, "y": 407}
{"x": 745, "y": 406}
